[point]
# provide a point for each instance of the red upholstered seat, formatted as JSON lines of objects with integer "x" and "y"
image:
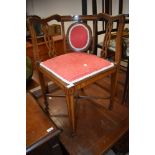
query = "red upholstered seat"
{"x": 76, "y": 66}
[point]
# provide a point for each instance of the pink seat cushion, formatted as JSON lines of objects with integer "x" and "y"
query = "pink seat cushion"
{"x": 73, "y": 67}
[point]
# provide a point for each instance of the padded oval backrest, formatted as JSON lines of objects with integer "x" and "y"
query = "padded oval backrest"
{"x": 79, "y": 37}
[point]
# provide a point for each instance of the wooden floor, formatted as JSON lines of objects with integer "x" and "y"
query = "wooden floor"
{"x": 98, "y": 128}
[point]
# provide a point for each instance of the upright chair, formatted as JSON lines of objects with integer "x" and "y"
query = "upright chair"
{"x": 77, "y": 69}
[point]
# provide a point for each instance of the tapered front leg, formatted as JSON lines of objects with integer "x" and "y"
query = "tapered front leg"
{"x": 71, "y": 109}
{"x": 44, "y": 89}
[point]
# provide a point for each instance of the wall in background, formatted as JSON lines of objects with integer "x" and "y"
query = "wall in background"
{"x": 44, "y": 8}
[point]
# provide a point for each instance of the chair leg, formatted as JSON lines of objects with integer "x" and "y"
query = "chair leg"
{"x": 113, "y": 89}
{"x": 126, "y": 88}
{"x": 71, "y": 110}
{"x": 44, "y": 89}
{"x": 125, "y": 94}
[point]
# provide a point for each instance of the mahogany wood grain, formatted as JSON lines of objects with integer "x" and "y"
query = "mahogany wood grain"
{"x": 37, "y": 124}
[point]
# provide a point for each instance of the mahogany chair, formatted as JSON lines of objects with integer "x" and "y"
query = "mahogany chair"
{"x": 77, "y": 69}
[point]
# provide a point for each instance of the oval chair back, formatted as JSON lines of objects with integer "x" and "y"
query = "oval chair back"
{"x": 79, "y": 36}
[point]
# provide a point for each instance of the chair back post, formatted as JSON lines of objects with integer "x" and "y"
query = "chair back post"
{"x": 94, "y": 45}
{"x": 63, "y": 35}
{"x": 120, "y": 27}
{"x": 31, "y": 21}
{"x": 110, "y": 20}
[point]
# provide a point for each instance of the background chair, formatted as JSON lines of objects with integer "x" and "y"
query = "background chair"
{"x": 77, "y": 69}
